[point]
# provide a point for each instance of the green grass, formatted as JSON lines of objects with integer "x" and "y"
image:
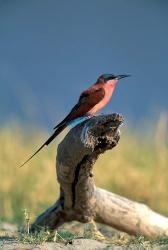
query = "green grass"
{"x": 67, "y": 237}
{"x": 35, "y": 238}
{"x": 140, "y": 160}
{"x": 63, "y": 235}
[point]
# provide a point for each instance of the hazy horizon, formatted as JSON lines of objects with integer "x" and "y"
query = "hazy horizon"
{"x": 52, "y": 50}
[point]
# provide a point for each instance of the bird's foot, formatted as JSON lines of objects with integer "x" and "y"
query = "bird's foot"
{"x": 94, "y": 115}
{"x": 90, "y": 116}
{"x": 91, "y": 231}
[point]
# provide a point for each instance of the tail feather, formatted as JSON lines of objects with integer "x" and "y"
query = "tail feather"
{"x": 56, "y": 132}
{"x": 49, "y": 140}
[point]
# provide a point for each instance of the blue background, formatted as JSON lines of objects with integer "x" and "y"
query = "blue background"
{"x": 52, "y": 50}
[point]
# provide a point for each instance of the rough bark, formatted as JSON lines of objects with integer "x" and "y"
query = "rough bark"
{"x": 80, "y": 199}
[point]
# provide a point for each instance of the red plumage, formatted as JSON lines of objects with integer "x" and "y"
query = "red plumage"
{"x": 90, "y": 101}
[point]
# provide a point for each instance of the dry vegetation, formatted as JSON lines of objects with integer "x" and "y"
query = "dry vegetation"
{"x": 137, "y": 168}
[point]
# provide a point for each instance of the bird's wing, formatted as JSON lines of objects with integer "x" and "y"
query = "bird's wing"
{"x": 88, "y": 99}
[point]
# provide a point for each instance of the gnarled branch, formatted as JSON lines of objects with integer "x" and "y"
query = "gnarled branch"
{"x": 80, "y": 199}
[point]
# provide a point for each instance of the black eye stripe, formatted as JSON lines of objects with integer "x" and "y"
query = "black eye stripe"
{"x": 108, "y": 77}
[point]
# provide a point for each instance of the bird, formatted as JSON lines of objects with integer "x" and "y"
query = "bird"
{"x": 90, "y": 102}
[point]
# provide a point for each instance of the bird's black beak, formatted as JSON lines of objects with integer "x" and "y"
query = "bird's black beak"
{"x": 121, "y": 76}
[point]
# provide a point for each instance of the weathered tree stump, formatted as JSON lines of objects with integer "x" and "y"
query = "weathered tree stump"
{"x": 80, "y": 199}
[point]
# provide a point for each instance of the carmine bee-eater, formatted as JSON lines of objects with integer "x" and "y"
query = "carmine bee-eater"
{"x": 90, "y": 101}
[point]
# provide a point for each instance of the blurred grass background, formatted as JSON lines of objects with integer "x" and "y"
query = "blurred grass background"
{"x": 137, "y": 168}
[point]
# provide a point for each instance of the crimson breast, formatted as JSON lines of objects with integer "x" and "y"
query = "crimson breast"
{"x": 108, "y": 93}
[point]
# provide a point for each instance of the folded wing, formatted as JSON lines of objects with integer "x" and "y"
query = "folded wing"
{"x": 88, "y": 99}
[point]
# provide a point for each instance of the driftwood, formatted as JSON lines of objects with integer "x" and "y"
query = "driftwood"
{"x": 80, "y": 199}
